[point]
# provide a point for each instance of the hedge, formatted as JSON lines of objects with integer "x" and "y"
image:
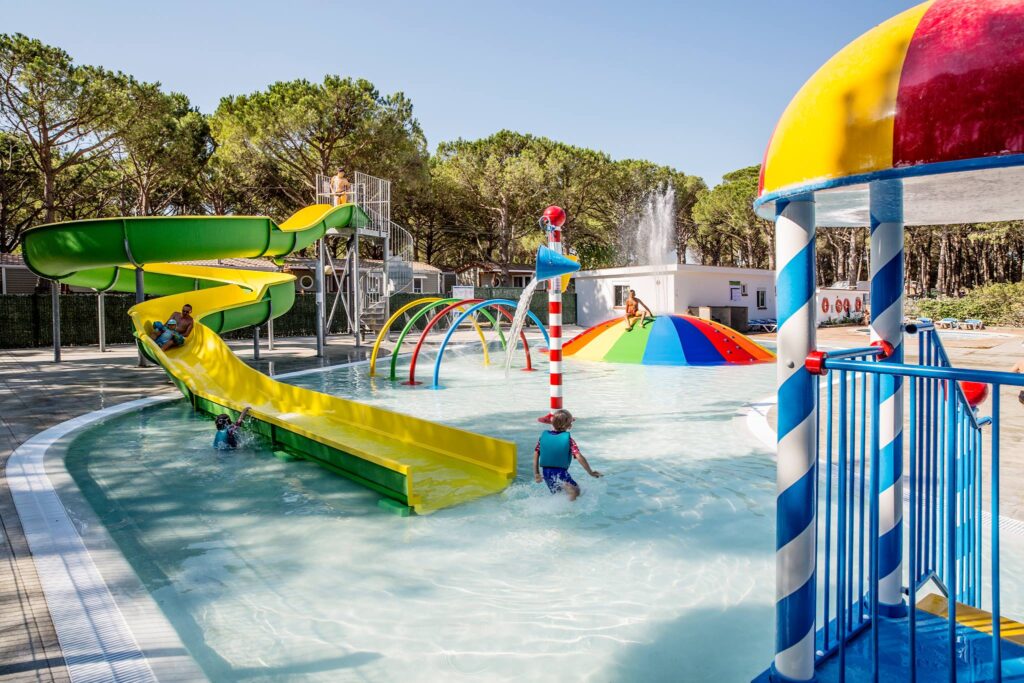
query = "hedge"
{"x": 25, "y": 319}
{"x": 995, "y": 304}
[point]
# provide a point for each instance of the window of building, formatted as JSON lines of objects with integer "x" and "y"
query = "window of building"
{"x": 417, "y": 284}
{"x": 762, "y": 299}
{"x": 520, "y": 280}
{"x": 621, "y": 294}
{"x": 743, "y": 289}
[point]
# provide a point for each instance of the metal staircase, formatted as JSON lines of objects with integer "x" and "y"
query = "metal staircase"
{"x": 364, "y": 285}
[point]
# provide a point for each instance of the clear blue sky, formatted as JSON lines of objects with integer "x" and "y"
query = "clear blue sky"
{"x": 697, "y": 85}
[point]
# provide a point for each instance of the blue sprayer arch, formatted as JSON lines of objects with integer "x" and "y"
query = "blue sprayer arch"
{"x": 472, "y": 309}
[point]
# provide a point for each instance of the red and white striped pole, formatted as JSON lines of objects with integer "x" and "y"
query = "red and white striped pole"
{"x": 552, "y": 221}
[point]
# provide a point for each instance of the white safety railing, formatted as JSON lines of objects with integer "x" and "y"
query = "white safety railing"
{"x": 371, "y": 194}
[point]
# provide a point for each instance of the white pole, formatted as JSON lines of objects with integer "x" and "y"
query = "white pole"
{"x": 101, "y": 321}
{"x": 356, "y": 290}
{"x": 796, "y": 468}
{"x": 55, "y": 310}
{"x": 140, "y": 296}
{"x": 320, "y": 298}
{"x": 886, "y": 201}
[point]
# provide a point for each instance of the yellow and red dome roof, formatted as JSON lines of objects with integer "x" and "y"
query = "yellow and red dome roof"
{"x": 934, "y": 96}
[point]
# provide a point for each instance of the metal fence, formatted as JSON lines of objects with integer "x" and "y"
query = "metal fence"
{"x": 25, "y": 319}
{"x": 949, "y": 450}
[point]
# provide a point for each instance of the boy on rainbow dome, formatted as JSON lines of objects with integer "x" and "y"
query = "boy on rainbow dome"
{"x": 633, "y": 313}
{"x": 555, "y": 451}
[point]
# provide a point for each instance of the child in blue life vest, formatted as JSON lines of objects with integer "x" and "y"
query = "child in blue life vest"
{"x": 555, "y": 452}
{"x": 227, "y": 432}
{"x": 166, "y": 334}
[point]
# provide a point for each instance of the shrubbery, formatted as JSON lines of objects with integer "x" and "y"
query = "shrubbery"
{"x": 996, "y": 304}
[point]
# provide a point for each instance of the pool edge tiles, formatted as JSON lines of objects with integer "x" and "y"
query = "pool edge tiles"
{"x": 102, "y": 637}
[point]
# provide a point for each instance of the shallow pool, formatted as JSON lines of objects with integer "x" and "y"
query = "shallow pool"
{"x": 270, "y": 570}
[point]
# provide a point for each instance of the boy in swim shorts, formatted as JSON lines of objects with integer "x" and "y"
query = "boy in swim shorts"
{"x": 555, "y": 451}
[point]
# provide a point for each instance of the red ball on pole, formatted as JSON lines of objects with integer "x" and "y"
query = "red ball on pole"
{"x": 555, "y": 215}
{"x": 974, "y": 392}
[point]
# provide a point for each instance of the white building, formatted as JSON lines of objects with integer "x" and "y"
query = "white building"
{"x": 841, "y": 303}
{"x": 680, "y": 288}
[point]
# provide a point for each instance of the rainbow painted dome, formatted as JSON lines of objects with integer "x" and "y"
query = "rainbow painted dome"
{"x": 667, "y": 340}
{"x": 931, "y": 97}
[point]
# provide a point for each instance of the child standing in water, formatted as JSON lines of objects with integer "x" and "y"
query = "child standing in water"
{"x": 555, "y": 452}
{"x": 227, "y": 433}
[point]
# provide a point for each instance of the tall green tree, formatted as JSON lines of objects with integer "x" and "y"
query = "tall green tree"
{"x": 162, "y": 147}
{"x": 294, "y": 130}
{"x": 728, "y": 232}
{"x": 20, "y": 190}
{"x": 68, "y": 114}
{"x": 499, "y": 183}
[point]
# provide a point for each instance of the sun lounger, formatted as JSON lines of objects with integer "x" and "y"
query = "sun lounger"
{"x": 948, "y": 323}
{"x": 761, "y": 325}
{"x": 973, "y": 324}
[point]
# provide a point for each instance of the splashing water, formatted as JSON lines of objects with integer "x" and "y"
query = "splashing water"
{"x": 649, "y": 238}
{"x": 522, "y": 308}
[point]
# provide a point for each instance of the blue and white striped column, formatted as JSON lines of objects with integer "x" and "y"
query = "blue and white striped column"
{"x": 886, "y": 202}
{"x": 797, "y": 472}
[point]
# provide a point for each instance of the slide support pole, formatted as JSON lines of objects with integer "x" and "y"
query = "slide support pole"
{"x": 140, "y": 296}
{"x": 55, "y": 310}
{"x": 101, "y": 321}
{"x": 356, "y": 291}
{"x": 319, "y": 277}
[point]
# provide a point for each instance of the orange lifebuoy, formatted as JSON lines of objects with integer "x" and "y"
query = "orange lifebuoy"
{"x": 846, "y": 305}
{"x": 839, "y": 305}
{"x": 858, "y": 304}
{"x": 824, "y": 305}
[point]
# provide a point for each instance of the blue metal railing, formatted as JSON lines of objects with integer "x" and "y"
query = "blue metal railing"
{"x": 945, "y": 458}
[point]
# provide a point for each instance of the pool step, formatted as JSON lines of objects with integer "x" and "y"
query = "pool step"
{"x": 972, "y": 617}
{"x": 394, "y": 507}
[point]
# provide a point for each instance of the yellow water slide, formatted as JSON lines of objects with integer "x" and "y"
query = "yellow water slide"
{"x": 416, "y": 464}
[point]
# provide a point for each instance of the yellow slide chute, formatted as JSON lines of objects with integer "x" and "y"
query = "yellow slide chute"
{"x": 420, "y": 464}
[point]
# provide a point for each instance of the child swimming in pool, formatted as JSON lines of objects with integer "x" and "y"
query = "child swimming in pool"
{"x": 555, "y": 452}
{"x": 227, "y": 433}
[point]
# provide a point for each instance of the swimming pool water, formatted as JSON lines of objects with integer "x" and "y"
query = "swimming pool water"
{"x": 273, "y": 570}
{"x": 276, "y": 570}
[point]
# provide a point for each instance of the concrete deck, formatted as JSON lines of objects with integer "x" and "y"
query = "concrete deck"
{"x": 35, "y": 394}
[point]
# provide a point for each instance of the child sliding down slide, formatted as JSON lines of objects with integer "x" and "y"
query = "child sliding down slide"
{"x": 166, "y": 334}
{"x": 555, "y": 451}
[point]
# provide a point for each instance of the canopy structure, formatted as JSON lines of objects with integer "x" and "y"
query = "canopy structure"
{"x": 933, "y": 97}
{"x": 920, "y": 121}
{"x": 666, "y": 340}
